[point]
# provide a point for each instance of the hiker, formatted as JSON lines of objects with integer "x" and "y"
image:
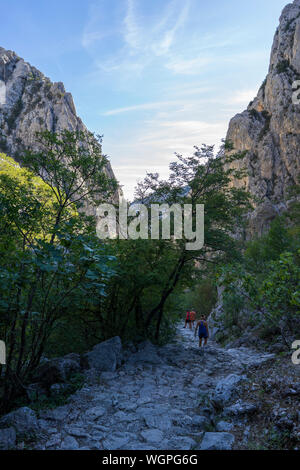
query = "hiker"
{"x": 193, "y": 318}
{"x": 203, "y": 330}
{"x": 188, "y": 319}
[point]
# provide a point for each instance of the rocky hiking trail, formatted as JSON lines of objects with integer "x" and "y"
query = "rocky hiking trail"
{"x": 161, "y": 398}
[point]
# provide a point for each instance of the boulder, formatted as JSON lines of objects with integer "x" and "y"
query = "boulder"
{"x": 105, "y": 356}
{"x": 155, "y": 418}
{"x": 56, "y": 370}
{"x": 240, "y": 409}
{"x": 35, "y": 391}
{"x": 154, "y": 436}
{"x": 117, "y": 441}
{"x": 95, "y": 412}
{"x": 24, "y": 420}
{"x": 7, "y": 438}
{"x": 180, "y": 443}
{"x": 58, "y": 389}
{"x": 56, "y": 414}
{"x": 73, "y": 357}
{"x": 224, "y": 426}
{"x": 202, "y": 423}
{"x": 226, "y": 389}
{"x": 69, "y": 443}
{"x": 217, "y": 441}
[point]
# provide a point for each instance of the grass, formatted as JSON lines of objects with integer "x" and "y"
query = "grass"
{"x": 273, "y": 440}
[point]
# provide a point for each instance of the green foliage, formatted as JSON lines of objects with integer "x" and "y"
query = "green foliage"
{"x": 266, "y": 280}
{"x": 52, "y": 263}
{"x": 254, "y": 114}
{"x": 152, "y": 273}
{"x": 282, "y": 66}
{"x": 43, "y": 402}
{"x": 202, "y": 297}
{"x": 280, "y": 291}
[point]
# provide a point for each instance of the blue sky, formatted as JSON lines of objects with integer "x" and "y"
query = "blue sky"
{"x": 153, "y": 76}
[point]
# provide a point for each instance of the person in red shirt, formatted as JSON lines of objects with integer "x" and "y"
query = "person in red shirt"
{"x": 188, "y": 320}
{"x": 193, "y": 318}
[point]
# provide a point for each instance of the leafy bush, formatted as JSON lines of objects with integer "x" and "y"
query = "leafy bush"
{"x": 266, "y": 281}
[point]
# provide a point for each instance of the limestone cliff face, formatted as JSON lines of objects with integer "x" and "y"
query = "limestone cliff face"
{"x": 30, "y": 102}
{"x": 270, "y": 127}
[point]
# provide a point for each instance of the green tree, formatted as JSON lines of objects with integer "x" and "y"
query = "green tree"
{"x": 153, "y": 271}
{"x": 51, "y": 260}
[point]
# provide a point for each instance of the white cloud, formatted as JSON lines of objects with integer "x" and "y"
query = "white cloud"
{"x": 132, "y": 32}
{"x": 157, "y": 37}
{"x": 152, "y": 147}
{"x": 89, "y": 37}
{"x": 188, "y": 67}
{"x": 142, "y": 107}
{"x": 182, "y": 135}
{"x": 243, "y": 96}
{"x": 142, "y": 39}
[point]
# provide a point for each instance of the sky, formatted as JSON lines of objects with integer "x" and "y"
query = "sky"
{"x": 154, "y": 77}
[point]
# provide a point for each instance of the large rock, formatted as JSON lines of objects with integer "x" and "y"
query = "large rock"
{"x": 154, "y": 418}
{"x": 217, "y": 441}
{"x": 57, "y": 414}
{"x": 117, "y": 441}
{"x": 23, "y": 420}
{"x": 270, "y": 128}
{"x": 227, "y": 389}
{"x": 201, "y": 423}
{"x": 36, "y": 391}
{"x": 7, "y": 438}
{"x": 241, "y": 409}
{"x": 57, "y": 370}
{"x": 105, "y": 356}
{"x": 224, "y": 426}
{"x": 69, "y": 443}
{"x": 180, "y": 443}
{"x": 95, "y": 412}
{"x": 154, "y": 436}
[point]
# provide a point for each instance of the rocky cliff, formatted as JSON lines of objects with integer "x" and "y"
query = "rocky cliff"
{"x": 270, "y": 127}
{"x": 30, "y": 102}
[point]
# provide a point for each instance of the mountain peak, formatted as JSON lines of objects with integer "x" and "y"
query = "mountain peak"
{"x": 269, "y": 130}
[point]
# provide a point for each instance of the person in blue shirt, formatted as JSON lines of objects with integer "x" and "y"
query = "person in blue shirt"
{"x": 203, "y": 330}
